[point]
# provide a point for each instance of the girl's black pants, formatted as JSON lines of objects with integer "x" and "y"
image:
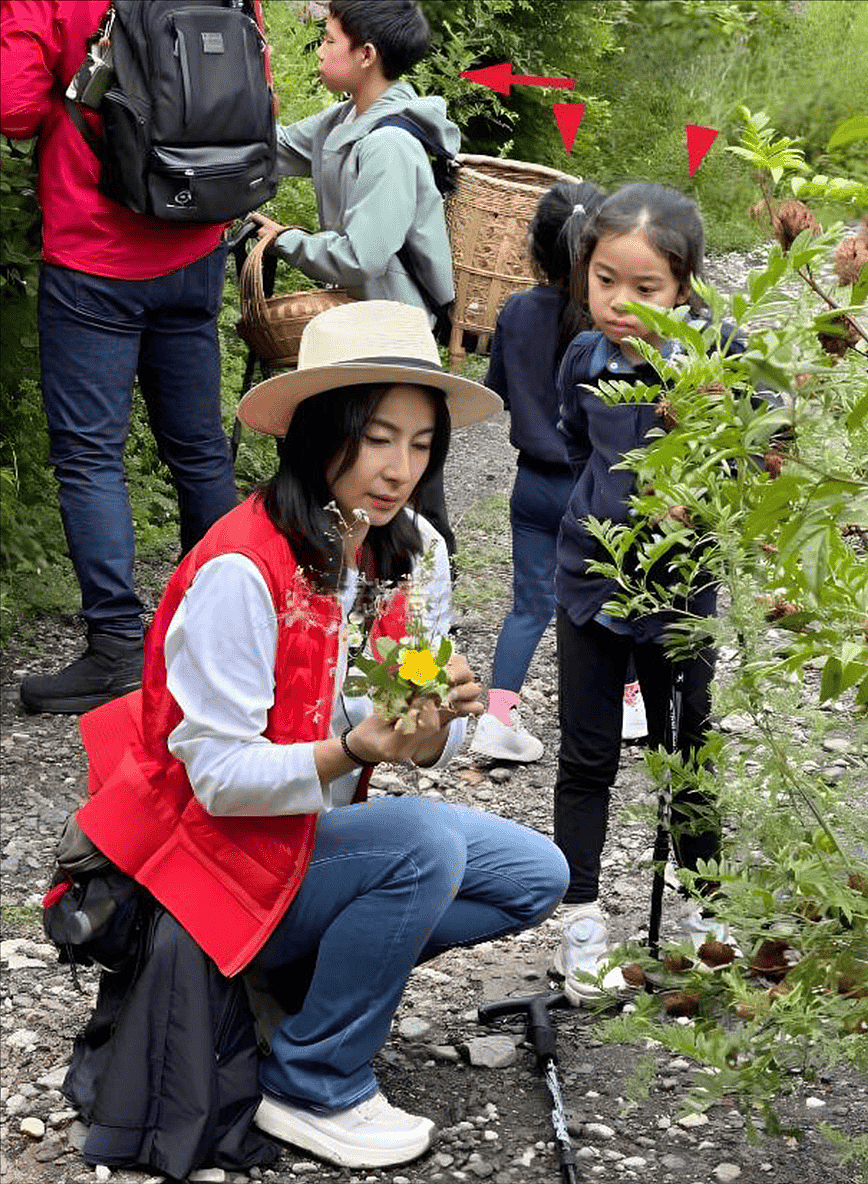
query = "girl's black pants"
{"x": 592, "y": 664}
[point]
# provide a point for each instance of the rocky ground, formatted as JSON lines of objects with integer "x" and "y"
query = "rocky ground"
{"x": 624, "y": 1102}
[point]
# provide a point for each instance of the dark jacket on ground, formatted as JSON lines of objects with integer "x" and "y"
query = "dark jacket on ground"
{"x": 165, "y": 1072}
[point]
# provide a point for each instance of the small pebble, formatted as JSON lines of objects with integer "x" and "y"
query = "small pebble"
{"x": 34, "y": 1127}
{"x": 726, "y": 1172}
{"x": 693, "y": 1120}
{"x": 598, "y": 1130}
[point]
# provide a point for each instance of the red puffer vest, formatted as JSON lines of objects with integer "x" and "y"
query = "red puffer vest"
{"x": 228, "y": 881}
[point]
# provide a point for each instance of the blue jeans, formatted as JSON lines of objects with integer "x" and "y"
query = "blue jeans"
{"x": 392, "y": 882}
{"x": 95, "y": 336}
{"x": 536, "y": 508}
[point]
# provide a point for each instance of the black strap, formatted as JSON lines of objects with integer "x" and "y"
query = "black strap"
{"x": 440, "y": 166}
{"x": 88, "y": 134}
{"x": 443, "y": 160}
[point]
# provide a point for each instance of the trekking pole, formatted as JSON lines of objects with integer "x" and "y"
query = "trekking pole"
{"x": 542, "y": 1036}
{"x": 664, "y": 813}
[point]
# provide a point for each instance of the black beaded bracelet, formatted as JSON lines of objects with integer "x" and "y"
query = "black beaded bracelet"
{"x": 349, "y": 752}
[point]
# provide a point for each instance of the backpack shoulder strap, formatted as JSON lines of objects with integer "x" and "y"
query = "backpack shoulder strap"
{"x": 87, "y": 133}
{"x": 443, "y": 158}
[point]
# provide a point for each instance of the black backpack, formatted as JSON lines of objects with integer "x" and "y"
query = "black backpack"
{"x": 188, "y": 121}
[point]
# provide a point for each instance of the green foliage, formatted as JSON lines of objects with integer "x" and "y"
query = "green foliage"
{"x": 556, "y": 38}
{"x": 785, "y": 542}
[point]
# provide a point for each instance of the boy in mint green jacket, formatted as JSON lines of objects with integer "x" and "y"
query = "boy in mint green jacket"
{"x": 375, "y": 188}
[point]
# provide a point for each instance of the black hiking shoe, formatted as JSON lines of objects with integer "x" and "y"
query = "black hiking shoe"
{"x": 110, "y": 667}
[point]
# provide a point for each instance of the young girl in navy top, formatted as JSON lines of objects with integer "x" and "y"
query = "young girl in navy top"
{"x": 643, "y": 245}
{"x": 533, "y": 329}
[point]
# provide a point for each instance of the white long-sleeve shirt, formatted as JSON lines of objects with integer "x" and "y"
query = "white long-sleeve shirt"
{"x": 220, "y": 652}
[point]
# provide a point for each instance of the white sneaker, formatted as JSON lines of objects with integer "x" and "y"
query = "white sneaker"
{"x": 585, "y": 947}
{"x": 372, "y": 1134}
{"x": 693, "y": 927}
{"x": 505, "y": 742}
{"x": 635, "y": 725}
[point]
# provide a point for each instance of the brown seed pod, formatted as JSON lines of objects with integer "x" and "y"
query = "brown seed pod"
{"x": 850, "y": 258}
{"x": 855, "y": 880}
{"x": 773, "y": 463}
{"x": 633, "y": 974}
{"x": 676, "y": 963}
{"x": 780, "y": 609}
{"x": 836, "y": 344}
{"x": 769, "y": 548}
{"x": 713, "y": 388}
{"x": 685, "y": 1003}
{"x": 745, "y": 1011}
{"x": 790, "y": 219}
{"x": 779, "y": 989}
{"x": 770, "y": 960}
{"x": 680, "y": 514}
{"x": 716, "y": 953}
{"x": 666, "y": 412}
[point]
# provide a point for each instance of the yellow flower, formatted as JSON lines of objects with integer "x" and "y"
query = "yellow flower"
{"x": 418, "y": 667}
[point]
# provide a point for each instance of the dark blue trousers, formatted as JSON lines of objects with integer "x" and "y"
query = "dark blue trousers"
{"x": 96, "y": 336}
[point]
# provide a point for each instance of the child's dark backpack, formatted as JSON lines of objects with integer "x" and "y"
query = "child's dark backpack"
{"x": 443, "y": 168}
{"x": 188, "y": 120}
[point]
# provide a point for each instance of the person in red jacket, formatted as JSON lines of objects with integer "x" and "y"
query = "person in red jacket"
{"x": 232, "y": 785}
{"x": 122, "y": 296}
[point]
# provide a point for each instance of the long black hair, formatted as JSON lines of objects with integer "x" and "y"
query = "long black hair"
{"x": 324, "y": 427}
{"x": 553, "y": 236}
{"x": 668, "y": 218}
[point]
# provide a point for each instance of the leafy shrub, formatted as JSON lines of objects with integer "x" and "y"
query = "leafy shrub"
{"x": 785, "y": 542}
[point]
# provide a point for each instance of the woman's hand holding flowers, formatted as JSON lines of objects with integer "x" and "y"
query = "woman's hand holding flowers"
{"x": 392, "y": 740}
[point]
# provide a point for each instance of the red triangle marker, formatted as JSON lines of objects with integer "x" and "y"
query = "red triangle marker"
{"x": 699, "y": 140}
{"x": 500, "y": 78}
{"x": 568, "y": 116}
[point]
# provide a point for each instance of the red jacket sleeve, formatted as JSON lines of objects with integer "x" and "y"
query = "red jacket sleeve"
{"x": 30, "y": 49}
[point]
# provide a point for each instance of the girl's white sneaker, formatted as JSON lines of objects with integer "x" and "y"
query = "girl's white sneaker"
{"x": 503, "y": 742}
{"x": 585, "y": 947}
{"x": 635, "y": 725}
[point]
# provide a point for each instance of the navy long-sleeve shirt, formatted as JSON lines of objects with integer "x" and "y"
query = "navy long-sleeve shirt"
{"x": 598, "y": 435}
{"x": 523, "y": 370}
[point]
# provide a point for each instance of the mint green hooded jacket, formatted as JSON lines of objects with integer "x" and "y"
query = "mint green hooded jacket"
{"x": 375, "y": 191}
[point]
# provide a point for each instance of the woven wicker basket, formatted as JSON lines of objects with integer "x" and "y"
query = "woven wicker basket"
{"x": 273, "y": 326}
{"x": 487, "y": 217}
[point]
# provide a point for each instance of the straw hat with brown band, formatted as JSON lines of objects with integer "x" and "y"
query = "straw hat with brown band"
{"x": 369, "y": 341}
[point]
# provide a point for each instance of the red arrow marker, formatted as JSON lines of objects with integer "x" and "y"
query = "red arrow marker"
{"x": 699, "y": 140}
{"x": 568, "y": 116}
{"x": 501, "y": 78}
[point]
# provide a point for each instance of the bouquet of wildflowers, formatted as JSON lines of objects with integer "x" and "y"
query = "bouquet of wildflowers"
{"x": 398, "y": 673}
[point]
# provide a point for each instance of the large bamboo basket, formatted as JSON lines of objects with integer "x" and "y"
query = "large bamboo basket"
{"x": 272, "y": 326}
{"x": 487, "y": 217}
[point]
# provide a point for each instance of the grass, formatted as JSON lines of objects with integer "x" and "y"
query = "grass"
{"x": 21, "y": 920}
{"x": 483, "y": 552}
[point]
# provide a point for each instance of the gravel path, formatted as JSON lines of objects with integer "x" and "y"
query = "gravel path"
{"x": 624, "y": 1102}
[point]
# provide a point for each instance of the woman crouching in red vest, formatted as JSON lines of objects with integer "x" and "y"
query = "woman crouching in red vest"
{"x": 233, "y": 785}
